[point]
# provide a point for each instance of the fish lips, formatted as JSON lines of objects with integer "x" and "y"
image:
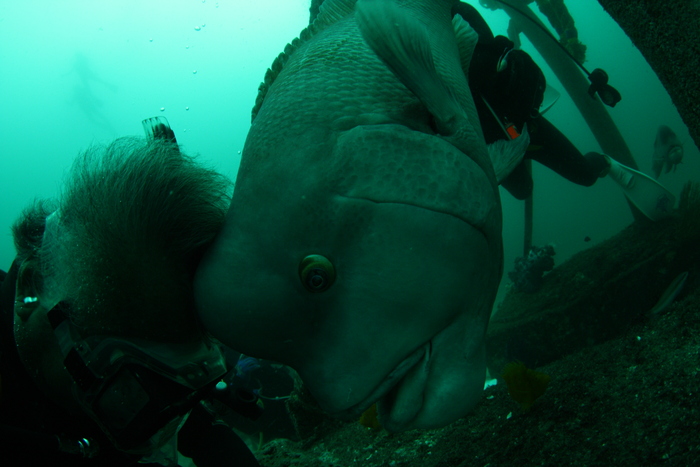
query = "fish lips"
{"x": 399, "y": 394}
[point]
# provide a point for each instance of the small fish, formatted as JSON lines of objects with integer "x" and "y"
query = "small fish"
{"x": 670, "y": 293}
{"x": 245, "y": 366}
{"x": 668, "y": 151}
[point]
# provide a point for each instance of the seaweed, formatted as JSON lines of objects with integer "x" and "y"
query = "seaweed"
{"x": 525, "y": 386}
{"x": 527, "y": 276}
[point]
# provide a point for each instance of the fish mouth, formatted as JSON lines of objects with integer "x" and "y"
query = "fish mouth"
{"x": 385, "y": 392}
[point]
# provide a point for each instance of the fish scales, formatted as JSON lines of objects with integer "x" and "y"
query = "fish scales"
{"x": 332, "y": 83}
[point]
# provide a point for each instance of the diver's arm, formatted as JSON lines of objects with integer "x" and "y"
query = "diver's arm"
{"x": 551, "y": 148}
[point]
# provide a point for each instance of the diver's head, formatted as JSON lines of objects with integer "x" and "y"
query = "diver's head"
{"x": 132, "y": 221}
{"x": 519, "y": 87}
{"x": 118, "y": 251}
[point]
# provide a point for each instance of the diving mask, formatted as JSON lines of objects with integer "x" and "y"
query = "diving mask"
{"x": 133, "y": 388}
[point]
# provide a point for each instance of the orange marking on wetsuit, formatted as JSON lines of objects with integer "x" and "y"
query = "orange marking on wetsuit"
{"x": 512, "y": 131}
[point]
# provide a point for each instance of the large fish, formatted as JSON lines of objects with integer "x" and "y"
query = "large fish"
{"x": 668, "y": 151}
{"x": 363, "y": 244}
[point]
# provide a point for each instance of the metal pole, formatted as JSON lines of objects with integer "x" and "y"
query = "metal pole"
{"x": 527, "y": 237}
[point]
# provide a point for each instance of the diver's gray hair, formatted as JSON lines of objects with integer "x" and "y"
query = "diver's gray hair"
{"x": 124, "y": 240}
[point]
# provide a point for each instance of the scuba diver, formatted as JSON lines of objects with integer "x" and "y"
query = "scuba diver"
{"x": 103, "y": 361}
{"x": 508, "y": 89}
{"x": 85, "y": 92}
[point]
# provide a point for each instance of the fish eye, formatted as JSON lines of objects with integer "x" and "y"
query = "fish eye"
{"x": 316, "y": 273}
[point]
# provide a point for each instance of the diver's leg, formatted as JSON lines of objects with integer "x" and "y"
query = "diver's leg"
{"x": 519, "y": 182}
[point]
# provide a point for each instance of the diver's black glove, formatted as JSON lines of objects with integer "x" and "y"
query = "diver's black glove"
{"x": 597, "y": 163}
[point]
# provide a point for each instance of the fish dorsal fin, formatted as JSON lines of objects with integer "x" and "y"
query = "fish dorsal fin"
{"x": 330, "y": 12}
{"x": 466, "y": 42}
{"x": 275, "y": 69}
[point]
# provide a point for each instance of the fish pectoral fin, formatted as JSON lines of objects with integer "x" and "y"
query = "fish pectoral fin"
{"x": 507, "y": 155}
{"x": 466, "y": 39}
{"x": 403, "y": 44}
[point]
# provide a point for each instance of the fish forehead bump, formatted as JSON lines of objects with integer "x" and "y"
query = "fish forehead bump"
{"x": 390, "y": 163}
{"x": 334, "y": 81}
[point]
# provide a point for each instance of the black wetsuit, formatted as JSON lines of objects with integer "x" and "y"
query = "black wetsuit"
{"x": 511, "y": 94}
{"x": 30, "y": 421}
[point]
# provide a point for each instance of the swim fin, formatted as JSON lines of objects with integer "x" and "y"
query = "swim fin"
{"x": 158, "y": 128}
{"x": 650, "y": 197}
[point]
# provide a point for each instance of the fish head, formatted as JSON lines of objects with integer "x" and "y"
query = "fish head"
{"x": 674, "y": 157}
{"x": 668, "y": 150}
{"x": 373, "y": 274}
